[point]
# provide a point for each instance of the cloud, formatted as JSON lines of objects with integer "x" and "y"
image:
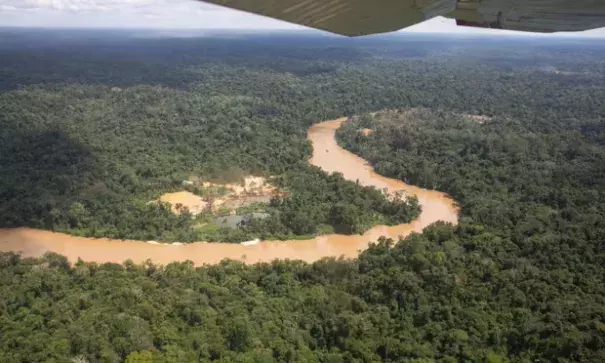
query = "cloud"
{"x": 94, "y": 5}
{"x": 129, "y": 14}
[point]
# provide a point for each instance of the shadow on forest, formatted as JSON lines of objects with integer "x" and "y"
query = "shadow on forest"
{"x": 42, "y": 174}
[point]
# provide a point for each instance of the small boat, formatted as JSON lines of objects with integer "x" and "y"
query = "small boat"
{"x": 251, "y": 243}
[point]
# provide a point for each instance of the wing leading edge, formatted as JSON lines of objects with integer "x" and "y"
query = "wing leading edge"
{"x": 363, "y": 17}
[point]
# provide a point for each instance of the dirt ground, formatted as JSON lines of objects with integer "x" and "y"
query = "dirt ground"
{"x": 254, "y": 189}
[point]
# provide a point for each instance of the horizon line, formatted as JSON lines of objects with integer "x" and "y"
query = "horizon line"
{"x": 558, "y": 35}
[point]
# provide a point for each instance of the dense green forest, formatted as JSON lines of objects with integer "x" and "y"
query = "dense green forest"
{"x": 87, "y": 158}
{"x": 95, "y": 127}
{"x": 533, "y": 188}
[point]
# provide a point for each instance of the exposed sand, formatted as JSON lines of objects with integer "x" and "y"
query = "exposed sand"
{"x": 195, "y": 204}
{"x": 252, "y": 186}
{"x": 253, "y": 189}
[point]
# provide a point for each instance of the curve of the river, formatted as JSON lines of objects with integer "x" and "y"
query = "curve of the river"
{"x": 327, "y": 155}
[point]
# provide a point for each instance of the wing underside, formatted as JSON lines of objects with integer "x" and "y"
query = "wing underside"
{"x": 362, "y": 17}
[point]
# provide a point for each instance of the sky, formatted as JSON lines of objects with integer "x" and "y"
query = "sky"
{"x": 169, "y": 14}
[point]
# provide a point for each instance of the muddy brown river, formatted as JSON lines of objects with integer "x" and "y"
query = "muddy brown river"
{"x": 327, "y": 155}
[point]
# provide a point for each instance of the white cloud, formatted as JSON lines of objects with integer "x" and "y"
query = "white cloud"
{"x": 130, "y": 14}
{"x": 83, "y": 5}
{"x": 104, "y": 5}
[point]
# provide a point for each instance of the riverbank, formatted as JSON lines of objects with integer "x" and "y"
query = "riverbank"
{"x": 327, "y": 154}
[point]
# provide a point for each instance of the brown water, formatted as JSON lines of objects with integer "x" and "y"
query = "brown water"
{"x": 327, "y": 155}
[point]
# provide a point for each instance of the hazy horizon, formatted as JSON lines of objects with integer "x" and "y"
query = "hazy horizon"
{"x": 202, "y": 32}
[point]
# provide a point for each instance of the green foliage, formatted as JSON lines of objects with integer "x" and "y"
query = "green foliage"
{"x": 519, "y": 280}
{"x": 321, "y": 199}
{"x": 87, "y": 160}
{"x": 140, "y": 357}
{"x": 533, "y": 208}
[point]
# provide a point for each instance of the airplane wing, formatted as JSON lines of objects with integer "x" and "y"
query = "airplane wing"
{"x": 363, "y": 17}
